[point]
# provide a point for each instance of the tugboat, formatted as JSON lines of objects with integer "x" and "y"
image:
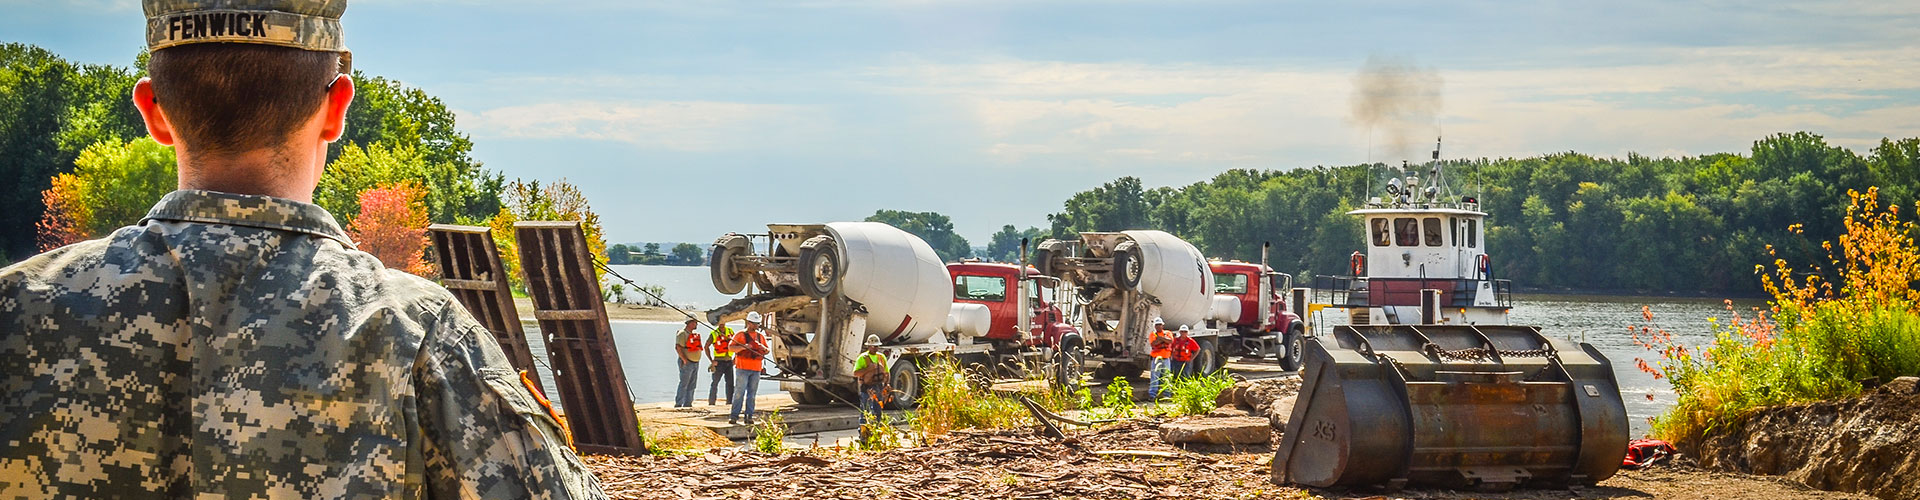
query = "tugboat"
{"x": 1429, "y": 386}
{"x": 1420, "y": 240}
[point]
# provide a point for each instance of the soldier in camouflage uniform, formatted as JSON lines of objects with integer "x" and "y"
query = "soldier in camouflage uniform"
{"x": 235, "y": 344}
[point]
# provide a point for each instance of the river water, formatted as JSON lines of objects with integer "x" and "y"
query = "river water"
{"x": 646, "y": 347}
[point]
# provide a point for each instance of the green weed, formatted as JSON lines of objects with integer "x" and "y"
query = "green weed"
{"x": 1193, "y": 395}
{"x": 770, "y": 435}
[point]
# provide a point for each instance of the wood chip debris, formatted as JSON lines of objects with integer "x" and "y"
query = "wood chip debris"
{"x": 1125, "y": 460}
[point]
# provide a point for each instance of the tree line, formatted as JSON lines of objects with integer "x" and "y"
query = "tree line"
{"x": 682, "y": 254}
{"x": 77, "y": 163}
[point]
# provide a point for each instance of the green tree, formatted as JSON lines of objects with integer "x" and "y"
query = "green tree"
{"x": 934, "y": 228}
{"x": 1005, "y": 245}
{"x": 687, "y": 254}
{"x": 650, "y": 254}
{"x": 619, "y": 254}
{"x": 389, "y": 112}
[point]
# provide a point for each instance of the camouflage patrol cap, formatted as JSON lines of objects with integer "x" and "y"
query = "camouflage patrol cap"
{"x": 300, "y": 24}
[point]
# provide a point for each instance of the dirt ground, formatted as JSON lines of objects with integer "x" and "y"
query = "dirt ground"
{"x": 1126, "y": 460}
{"x": 616, "y": 312}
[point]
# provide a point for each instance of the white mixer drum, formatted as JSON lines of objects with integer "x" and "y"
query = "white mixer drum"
{"x": 1176, "y": 273}
{"x": 898, "y": 277}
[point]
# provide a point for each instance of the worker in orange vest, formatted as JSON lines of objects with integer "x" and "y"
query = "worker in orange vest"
{"x": 1184, "y": 347}
{"x": 1161, "y": 341}
{"x": 686, "y": 347}
{"x": 749, "y": 352}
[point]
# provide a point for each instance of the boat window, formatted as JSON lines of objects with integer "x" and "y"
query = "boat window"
{"x": 1381, "y": 237}
{"x": 981, "y": 288}
{"x": 1472, "y": 239}
{"x": 1454, "y": 224}
{"x": 1406, "y": 231}
{"x": 1230, "y": 283}
{"x": 1432, "y": 230}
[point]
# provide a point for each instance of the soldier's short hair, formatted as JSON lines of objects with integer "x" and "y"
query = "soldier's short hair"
{"x": 238, "y": 97}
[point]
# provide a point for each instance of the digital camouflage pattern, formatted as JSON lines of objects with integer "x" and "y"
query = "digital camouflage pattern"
{"x": 301, "y": 24}
{"x": 239, "y": 347}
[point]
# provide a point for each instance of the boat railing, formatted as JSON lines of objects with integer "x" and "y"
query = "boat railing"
{"x": 1357, "y": 292}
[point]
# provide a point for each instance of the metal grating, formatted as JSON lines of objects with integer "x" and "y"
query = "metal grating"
{"x": 470, "y": 268}
{"x": 580, "y": 348}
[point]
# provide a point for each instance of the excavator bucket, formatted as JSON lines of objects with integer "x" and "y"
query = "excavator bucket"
{"x": 1452, "y": 406}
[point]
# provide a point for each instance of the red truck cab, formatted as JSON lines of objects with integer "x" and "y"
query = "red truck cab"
{"x": 1282, "y": 329}
{"x": 992, "y": 284}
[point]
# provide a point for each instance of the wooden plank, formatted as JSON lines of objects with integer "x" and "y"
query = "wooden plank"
{"x": 572, "y": 314}
{"x": 470, "y": 267}
{"x": 580, "y": 345}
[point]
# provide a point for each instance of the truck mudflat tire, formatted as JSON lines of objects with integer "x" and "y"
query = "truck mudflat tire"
{"x": 1042, "y": 259}
{"x": 1291, "y": 349}
{"x": 728, "y": 279}
{"x": 1208, "y": 359}
{"x": 1068, "y": 364}
{"x": 905, "y": 379}
{"x": 1127, "y": 266}
{"x": 819, "y": 266}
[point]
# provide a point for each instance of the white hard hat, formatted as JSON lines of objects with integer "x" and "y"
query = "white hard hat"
{"x": 873, "y": 340}
{"x": 1157, "y": 321}
{"x": 753, "y": 316}
{"x": 1184, "y": 328}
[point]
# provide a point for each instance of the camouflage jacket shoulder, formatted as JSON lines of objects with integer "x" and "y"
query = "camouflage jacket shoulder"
{"x": 239, "y": 346}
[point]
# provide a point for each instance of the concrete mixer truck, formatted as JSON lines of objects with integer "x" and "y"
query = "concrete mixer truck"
{"x": 1122, "y": 281}
{"x": 826, "y": 287}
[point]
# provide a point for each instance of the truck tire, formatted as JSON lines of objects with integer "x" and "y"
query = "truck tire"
{"x": 1207, "y": 360}
{"x": 1290, "y": 349}
{"x": 819, "y": 266}
{"x": 1068, "y": 363}
{"x": 728, "y": 279}
{"x": 1042, "y": 258}
{"x": 1127, "y": 267}
{"x": 1119, "y": 369}
{"x": 905, "y": 379}
{"x": 810, "y": 396}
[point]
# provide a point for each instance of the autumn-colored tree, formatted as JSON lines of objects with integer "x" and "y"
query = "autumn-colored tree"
{"x": 61, "y": 224}
{"x": 392, "y": 225}
{"x": 557, "y": 201}
{"x": 112, "y": 185}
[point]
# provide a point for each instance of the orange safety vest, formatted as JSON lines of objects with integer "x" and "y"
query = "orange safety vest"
{"x": 1154, "y": 339}
{"x": 722, "y": 345}
{"x": 746, "y": 348}
{"x": 1184, "y": 349}
{"x": 693, "y": 345}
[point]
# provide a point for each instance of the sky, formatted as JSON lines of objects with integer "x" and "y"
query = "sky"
{"x": 684, "y": 120}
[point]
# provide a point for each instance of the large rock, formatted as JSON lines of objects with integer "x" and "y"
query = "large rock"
{"x": 1868, "y": 444}
{"x": 1227, "y": 430}
{"x": 1258, "y": 396}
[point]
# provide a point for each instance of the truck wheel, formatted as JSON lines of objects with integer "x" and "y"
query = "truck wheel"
{"x": 1067, "y": 364}
{"x": 819, "y": 266}
{"x": 728, "y": 279}
{"x": 809, "y": 396}
{"x": 1042, "y": 258}
{"x": 1291, "y": 349}
{"x": 1208, "y": 359}
{"x": 905, "y": 379}
{"x": 1127, "y": 267}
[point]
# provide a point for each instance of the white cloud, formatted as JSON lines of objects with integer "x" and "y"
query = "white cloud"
{"x": 672, "y": 126}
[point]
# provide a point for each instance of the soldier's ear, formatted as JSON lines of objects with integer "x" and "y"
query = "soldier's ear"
{"x": 157, "y": 125}
{"x": 334, "y": 120}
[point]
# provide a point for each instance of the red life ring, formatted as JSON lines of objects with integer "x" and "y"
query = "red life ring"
{"x": 1358, "y": 263}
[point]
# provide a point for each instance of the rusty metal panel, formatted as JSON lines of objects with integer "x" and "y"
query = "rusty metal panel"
{"x": 470, "y": 268}
{"x": 580, "y": 347}
{"x": 1452, "y": 406}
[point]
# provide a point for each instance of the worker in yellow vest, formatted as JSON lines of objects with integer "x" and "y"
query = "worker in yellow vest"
{"x": 686, "y": 347}
{"x": 1161, "y": 342}
{"x": 720, "y": 362}
{"x": 871, "y": 370}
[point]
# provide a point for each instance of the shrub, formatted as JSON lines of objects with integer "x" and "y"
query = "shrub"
{"x": 948, "y": 401}
{"x": 1813, "y": 342}
{"x": 1195, "y": 395}
{"x": 770, "y": 435}
{"x": 1118, "y": 402}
